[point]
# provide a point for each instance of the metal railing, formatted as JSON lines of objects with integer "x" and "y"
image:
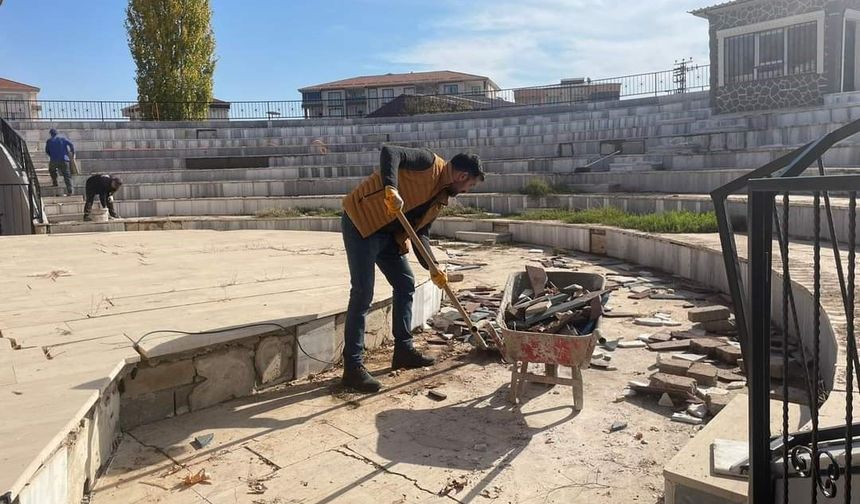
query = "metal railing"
{"x": 790, "y": 464}
{"x": 684, "y": 77}
{"x": 17, "y": 147}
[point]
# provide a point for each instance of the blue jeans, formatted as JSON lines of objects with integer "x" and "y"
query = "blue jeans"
{"x": 362, "y": 254}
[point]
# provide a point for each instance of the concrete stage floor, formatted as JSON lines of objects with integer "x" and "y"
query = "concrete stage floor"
{"x": 313, "y": 442}
{"x": 74, "y": 304}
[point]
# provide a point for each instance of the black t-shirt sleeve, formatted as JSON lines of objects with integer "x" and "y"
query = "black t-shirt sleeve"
{"x": 424, "y": 236}
{"x": 393, "y": 158}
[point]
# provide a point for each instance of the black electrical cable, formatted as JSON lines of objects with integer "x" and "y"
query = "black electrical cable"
{"x": 245, "y": 326}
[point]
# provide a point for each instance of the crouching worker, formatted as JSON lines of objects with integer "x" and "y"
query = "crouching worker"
{"x": 418, "y": 182}
{"x": 102, "y": 186}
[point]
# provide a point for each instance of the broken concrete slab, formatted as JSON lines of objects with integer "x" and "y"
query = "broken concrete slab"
{"x": 537, "y": 278}
{"x": 674, "y": 366}
{"x": 705, "y": 374}
{"x": 671, "y": 345}
{"x": 708, "y": 313}
{"x": 671, "y": 383}
{"x": 729, "y": 354}
{"x": 706, "y": 346}
{"x": 727, "y": 327}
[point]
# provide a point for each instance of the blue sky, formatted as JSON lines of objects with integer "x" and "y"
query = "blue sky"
{"x": 266, "y": 49}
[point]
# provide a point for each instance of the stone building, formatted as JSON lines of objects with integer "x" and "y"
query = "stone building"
{"x": 568, "y": 91}
{"x": 769, "y": 54}
{"x": 218, "y": 110}
{"x": 360, "y": 96}
{"x": 18, "y": 100}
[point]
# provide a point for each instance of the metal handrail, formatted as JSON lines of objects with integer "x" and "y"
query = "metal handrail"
{"x": 17, "y": 147}
{"x": 783, "y": 175}
{"x": 657, "y": 83}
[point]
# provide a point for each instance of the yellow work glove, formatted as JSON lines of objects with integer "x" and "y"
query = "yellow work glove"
{"x": 440, "y": 278}
{"x": 393, "y": 201}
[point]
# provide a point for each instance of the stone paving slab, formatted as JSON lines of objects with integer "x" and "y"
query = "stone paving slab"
{"x": 74, "y": 304}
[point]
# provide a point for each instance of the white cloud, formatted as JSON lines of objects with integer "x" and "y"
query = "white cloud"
{"x": 529, "y": 42}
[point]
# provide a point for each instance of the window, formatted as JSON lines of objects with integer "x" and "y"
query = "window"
{"x": 335, "y": 111}
{"x": 771, "y": 53}
{"x": 335, "y": 95}
{"x": 450, "y": 89}
{"x": 802, "y": 50}
{"x": 409, "y": 90}
{"x": 476, "y": 89}
{"x": 387, "y": 95}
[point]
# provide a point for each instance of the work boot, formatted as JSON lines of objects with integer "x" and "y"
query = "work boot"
{"x": 359, "y": 379}
{"x": 410, "y": 358}
{"x": 87, "y": 218}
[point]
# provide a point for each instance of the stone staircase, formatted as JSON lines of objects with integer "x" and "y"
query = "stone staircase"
{"x": 241, "y": 168}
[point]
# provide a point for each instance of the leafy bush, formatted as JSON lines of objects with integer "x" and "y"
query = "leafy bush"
{"x": 536, "y": 187}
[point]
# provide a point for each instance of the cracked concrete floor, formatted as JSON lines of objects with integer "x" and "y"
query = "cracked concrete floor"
{"x": 313, "y": 442}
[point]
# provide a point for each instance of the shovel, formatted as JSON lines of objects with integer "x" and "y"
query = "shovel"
{"x": 474, "y": 337}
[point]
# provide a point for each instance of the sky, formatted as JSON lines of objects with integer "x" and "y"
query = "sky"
{"x": 267, "y": 49}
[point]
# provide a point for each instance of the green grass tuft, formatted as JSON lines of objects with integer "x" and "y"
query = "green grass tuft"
{"x": 666, "y": 222}
{"x": 280, "y": 213}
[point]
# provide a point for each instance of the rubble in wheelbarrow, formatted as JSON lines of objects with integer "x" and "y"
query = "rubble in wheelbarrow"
{"x": 554, "y": 309}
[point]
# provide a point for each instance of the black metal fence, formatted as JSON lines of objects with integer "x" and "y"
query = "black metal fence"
{"x": 17, "y": 147}
{"x": 684, "y": 77}
{"x": 813, "y": 464}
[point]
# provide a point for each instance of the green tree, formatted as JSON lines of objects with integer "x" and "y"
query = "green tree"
{"x": 173, "y": 47}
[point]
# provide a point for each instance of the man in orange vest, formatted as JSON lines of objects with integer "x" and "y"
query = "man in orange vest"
{"x": 418, "y": 182}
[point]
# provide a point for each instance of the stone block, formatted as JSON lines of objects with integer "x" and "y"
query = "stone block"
{"x": 673, "y": 384}
{"x": 729, "y": 354}
{"x": 718, "y": 326}
{"x": 273, "y": 359}
{"x": 674, "y": 366}
{"x": 705, "y": 374}
{"x": 146, "y": 408}
{"x": 161, "y": 376}
{"x": 228, "y": 373}
{"x": 705, "y": 346}
{"x": 479, "y": 237}
{"x": 319, "y": 339}
{"x": 716, "y": 403}
{"x": 708, "y": 313}
{"x": 377, "y": 327}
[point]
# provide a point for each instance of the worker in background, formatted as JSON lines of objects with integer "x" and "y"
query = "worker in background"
{"x": 417, "y": 182}
{"x": 102, "y": 186}
{"x": 58, "y": 149}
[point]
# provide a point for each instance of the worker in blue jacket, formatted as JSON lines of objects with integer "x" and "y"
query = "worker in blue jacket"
{"x": 58, "y": 149}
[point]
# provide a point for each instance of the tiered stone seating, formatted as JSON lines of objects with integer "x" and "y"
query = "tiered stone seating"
{"x": 672, "y": 145}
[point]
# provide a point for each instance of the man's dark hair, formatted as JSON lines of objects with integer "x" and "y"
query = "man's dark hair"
{"x": 469, "y": 163}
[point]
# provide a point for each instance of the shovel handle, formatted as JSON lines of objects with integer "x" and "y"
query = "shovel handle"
{"x": 434, "y": 269}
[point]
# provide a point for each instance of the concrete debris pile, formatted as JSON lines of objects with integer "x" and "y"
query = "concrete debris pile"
{"x": 695, "y": 378}
{"x": 547, "y": 308}
{"x": 481, "y": 303}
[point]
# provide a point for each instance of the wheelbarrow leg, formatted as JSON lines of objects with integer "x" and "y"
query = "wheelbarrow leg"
{"x": 524, "y": 368}
{"x": 577, "y": 388}
{"x": 512, "y": 393}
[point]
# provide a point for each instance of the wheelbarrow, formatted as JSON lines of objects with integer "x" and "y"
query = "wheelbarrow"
{"x": 521, "y": 348}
